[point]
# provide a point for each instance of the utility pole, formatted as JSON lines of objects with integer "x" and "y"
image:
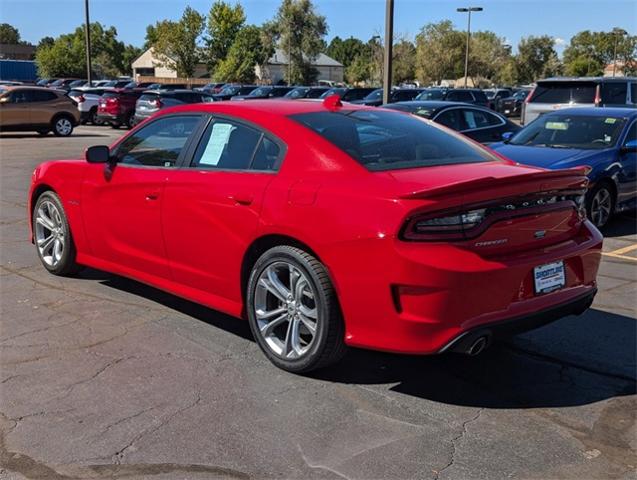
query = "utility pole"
{"x": 617, "y": 32}
{"x": 466, "y": 57}
{"x": 389, "y": 43}
{"x": 87, "y": 38}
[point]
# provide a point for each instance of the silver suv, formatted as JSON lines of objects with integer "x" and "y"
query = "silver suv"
{"x": 152, "y": 101}
{"x": 557, "y": 93}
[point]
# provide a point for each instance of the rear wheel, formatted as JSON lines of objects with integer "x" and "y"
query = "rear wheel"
{"x": 293, "y": 311}
{"x": 52, "y": 235}
{"x": 115, "y": 125}
{"x": 601, "y": 204}
{"x": 129, "y": 122}
{"x": 62, "y": 126}
{"x": 95, "y": 120}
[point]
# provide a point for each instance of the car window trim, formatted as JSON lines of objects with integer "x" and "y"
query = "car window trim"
{"x": 186, "y": 146}
{"x": 626, "y": 132}
{"x": 212, "y": 117}
{"x": 484, "y": 110}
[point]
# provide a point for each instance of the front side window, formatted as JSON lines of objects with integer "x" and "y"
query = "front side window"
{"x": 22, "y": 96}
{"x": 586, "y": 132}
{"x": 631, "y": 136}
{"x": 159, "y": 143}
{"x": 384, "y": 140}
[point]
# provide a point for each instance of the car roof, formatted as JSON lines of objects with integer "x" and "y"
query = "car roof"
{"x": 276, "y": 107}
{"x": 436, "y": 104}
{"x": 30, "y": 87}
{"x": 599, "y": 112}
{"x": 587, "y": 79}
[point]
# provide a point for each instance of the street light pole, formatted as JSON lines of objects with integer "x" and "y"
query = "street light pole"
{"x": 466, "y": 57}
{"x": 617, "y": 32}
{"x": 87, "y": 38}
{"x": 389, "y": 43}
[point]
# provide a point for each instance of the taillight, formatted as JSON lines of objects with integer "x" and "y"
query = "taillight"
{"x": 80, "y": 99}
{"x": 528, "y": 97}
{"x": 598, "y": 96}
{"x": 156, "y": 103}
{"x": 448, "y": 227}
{"x": 470, "y": 223}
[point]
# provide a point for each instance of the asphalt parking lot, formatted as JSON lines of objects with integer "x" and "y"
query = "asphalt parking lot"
{"x": 102, "y": 377}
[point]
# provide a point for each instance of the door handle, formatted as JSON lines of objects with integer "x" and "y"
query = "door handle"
{"x": 152, "y": 196}
{"x": 241, "y": 198}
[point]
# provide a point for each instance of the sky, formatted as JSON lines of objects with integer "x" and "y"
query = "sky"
{"x": 509, "y": 19}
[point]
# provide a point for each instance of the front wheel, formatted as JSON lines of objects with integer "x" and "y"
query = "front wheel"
{"x": 600, "y": 204}
{"x": 293, "y": 310}
{"x": 52, "y": 235}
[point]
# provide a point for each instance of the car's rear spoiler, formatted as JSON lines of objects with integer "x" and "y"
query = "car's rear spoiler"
{"x": 546, "y": 180}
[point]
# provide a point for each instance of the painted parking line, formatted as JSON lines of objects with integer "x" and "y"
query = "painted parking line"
{"x": 619, "y": 253}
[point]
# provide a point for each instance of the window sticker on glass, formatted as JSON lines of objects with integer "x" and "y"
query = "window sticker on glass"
{"x": 556, "y": 126}
{"x": 611, "y": 120}
{"x": 218, "y": 140}
{"x": 470, "y": 119}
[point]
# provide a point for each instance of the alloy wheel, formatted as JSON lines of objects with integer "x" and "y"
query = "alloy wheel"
{"x": 63, "y": 126}
{"x": 49, "y": 233}
{"x": 601, "y": 206}
{"x": 286, "y": 310}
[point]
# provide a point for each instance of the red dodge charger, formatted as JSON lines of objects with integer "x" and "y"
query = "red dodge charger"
{"x": 326, "y": 225}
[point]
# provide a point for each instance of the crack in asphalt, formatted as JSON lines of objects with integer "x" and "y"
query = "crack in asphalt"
{"x": 454, "y": 442}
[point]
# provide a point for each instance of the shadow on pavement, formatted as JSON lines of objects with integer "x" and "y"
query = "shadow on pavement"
{"x": 621, "y": 225}
{"x": 49, "y": 136}
{"x": 552, "y": 370}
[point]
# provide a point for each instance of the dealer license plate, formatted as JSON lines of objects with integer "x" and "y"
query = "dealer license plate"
{"x": 549, "y": 277}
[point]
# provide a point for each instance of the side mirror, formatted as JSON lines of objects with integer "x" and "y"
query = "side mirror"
{"x": 630, "y": 146}
{"x": 98, "y": 154}
{"x": 506, "y": 136}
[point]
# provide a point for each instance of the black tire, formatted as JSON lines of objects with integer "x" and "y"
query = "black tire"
{"x": 129, "y": 121}
{"x": 328, "y": 344}
{"x": 94, "y": 119}
{"x": 66, "y": 264}
{"x": 62, "y": 125}
{"x": 603, "y": 189}
{"x": 115, "y": 125}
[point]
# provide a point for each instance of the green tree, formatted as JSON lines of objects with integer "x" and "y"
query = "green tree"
{"x": 299, "y": 30}
{"x": 346, "y": 51}
{"x": 440, "y": 52}
{"x": 589, "y": 52}
{"x": 488, "y": 56}
{"x": 403, "y": 61}
{"x": 129, "y": 54}
{"x": 176, "y": 44}
{"x": 537, "y": 59}
{"x": 247, "y": 51}
{"x": 9, "y": 34}
{"x": 224, "y": 23}
{"x": 151, "y": 36}
{"x": 66, "y": 55}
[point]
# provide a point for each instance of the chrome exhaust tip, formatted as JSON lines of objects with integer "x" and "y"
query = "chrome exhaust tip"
{"x": 478, "y": 346}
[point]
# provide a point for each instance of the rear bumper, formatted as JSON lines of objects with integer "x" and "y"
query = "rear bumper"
{"x": 506, "y": 328}
{"x": 419, "y": 298}
{"x": 110, "y": 117}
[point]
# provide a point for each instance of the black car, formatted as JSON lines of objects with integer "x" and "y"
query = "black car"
{"x": 431, "y": 94}
{"x": 261, "y": 93}
{"x": 476, "y": 122}
{"x": 375, "y": 99}
{"x": 305, "y": 92}
{"x": 495, "y": 96}
{"x": 230, "y": 91}
{"x": 349, "y": 94}
{"x": 512, "y": 106}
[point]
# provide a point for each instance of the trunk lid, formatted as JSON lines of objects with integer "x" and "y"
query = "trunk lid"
{"x": 518, "y": 207}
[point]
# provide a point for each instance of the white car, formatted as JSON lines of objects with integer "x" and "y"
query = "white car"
{"x": 87, "y": 99}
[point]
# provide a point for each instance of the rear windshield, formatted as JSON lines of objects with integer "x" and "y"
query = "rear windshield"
{"x": 149, "y": 97}
{"x": 383, "y": 140}
{"x": 110, "y": 95}
{"x": 571, "y": 131}
{"x": 564, "y": 92}
{"x": 297, "y": 92}
{"x": 430, "y": 95}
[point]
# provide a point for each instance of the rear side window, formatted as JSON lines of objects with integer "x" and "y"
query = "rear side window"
{"x": 451, "y": 118}
{"x": 384, "y": 140}
{"x": 633, "y": 93}
{"x": 614, "y": 92}
{"x": 41, "y": 96}
{"x": 159, "y": 143}
{"x": 564, "y": 92}
{"x": 480, "y": 96}
{"x": 474, "y": 118}
{"x": 459, "y": 96}
{"x": 226, "y": 145}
